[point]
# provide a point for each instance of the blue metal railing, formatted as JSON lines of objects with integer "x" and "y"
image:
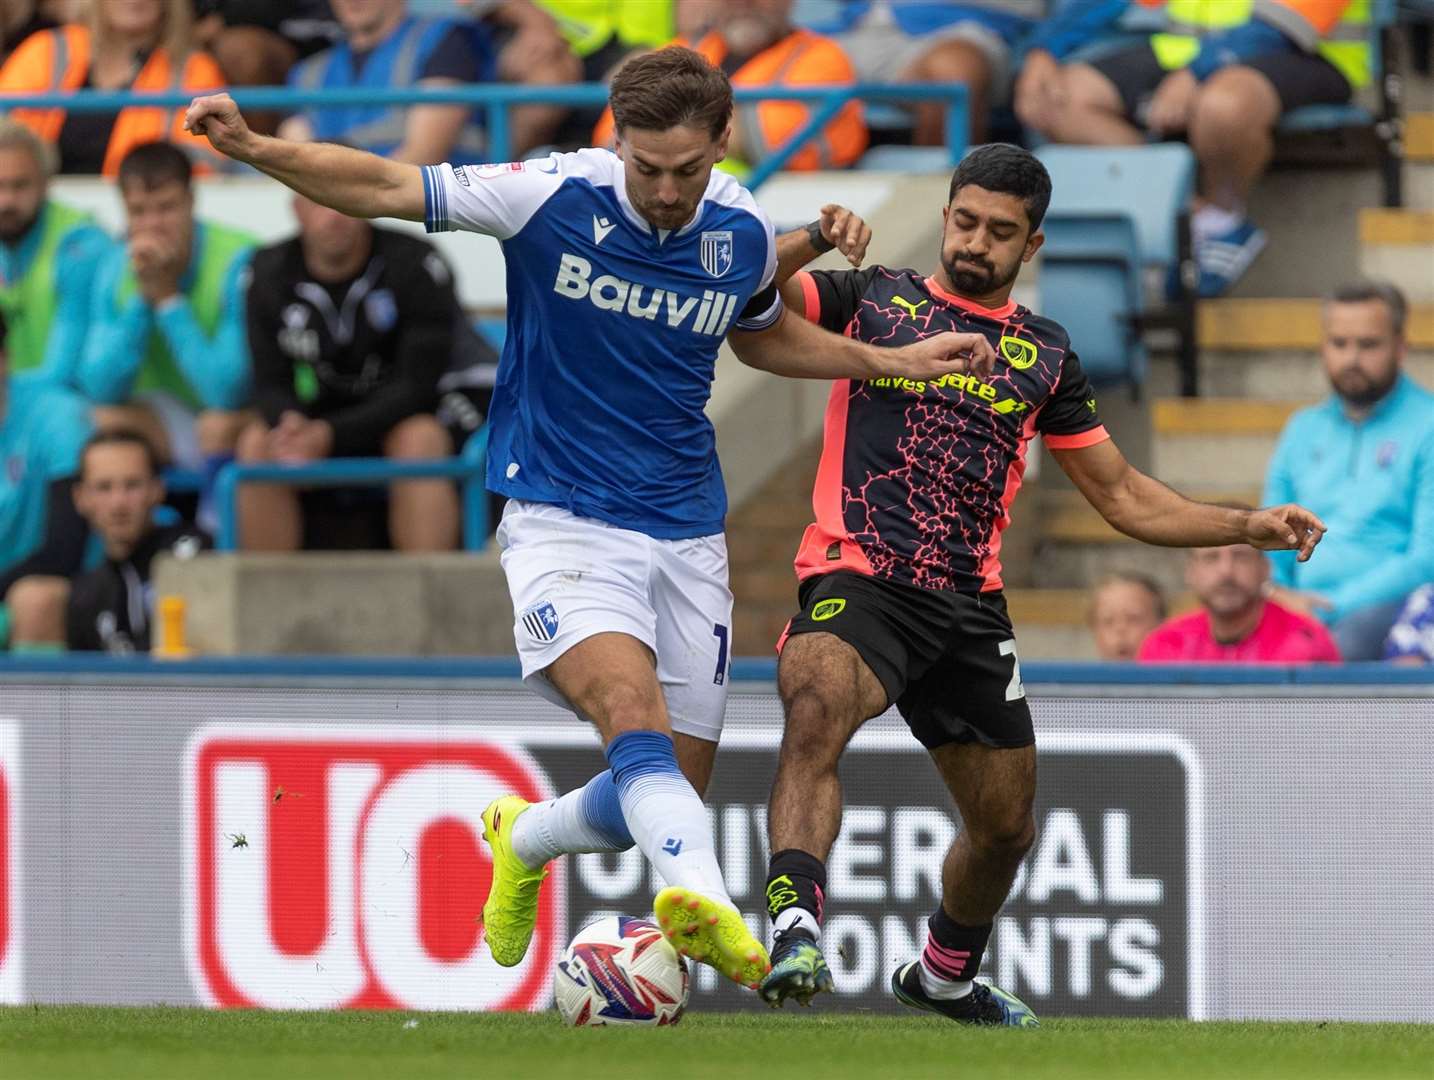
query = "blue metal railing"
{"x": 467, "y": 468}
{"x": 496, "y": 99}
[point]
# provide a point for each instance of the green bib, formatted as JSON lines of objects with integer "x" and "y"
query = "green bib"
{"x": 29, "y": 304}
{"x": 216, "y": 248}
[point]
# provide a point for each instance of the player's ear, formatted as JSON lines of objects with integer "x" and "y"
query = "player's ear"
{"x": 1033, "y": 245}
{"x": 722, "y": 143}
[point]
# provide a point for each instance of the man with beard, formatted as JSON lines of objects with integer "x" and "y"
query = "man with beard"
{"x": 1364, "y": 460}
{"x": 901, "y": 579}
{"x": 1236, "y": 622}
{"x": 47, "y": 311}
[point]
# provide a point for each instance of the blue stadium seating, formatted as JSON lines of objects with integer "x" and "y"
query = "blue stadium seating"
{"x": 1115, "y": 214}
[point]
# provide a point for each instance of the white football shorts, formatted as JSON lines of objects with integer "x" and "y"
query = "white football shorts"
{"x": 571, "y": 577}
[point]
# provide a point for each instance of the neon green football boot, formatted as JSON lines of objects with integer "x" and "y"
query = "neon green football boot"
{"x": 511, "y": 910}
{"x": 711, "y": 933}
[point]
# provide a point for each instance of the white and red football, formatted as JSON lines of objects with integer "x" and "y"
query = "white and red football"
{"x": 620, "y": 970}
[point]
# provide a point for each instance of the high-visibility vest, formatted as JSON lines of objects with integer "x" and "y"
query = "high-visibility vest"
{"x": 588, "y": 25}
{"x": 801, "y": 58}
{"x": 216, "y": 248}
{"x": 28, "y": 303}
{"x": 1343, "y": 26}
{"x": 396, "y": 62}
{"x": 58, "y": 60}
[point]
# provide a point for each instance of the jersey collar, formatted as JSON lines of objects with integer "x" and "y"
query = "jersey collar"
{"x": 1005, "y": 311}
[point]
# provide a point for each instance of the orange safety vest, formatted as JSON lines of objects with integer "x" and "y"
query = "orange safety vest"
{"x": 799, "y": 59}
{"x": 59, "y": 60}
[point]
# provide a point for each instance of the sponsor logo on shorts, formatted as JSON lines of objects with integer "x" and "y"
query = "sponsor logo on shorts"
{"x": 828, "y": 609}
{"x": 1018, "y": 352}
{"x": 541, "y": 621}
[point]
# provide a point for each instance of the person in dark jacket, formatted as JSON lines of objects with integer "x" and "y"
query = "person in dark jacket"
{"x": 111, "y": 608}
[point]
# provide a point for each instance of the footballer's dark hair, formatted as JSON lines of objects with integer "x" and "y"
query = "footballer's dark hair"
{"x": 120, "y": 437}
{"x": 1009, "y": 170}
{"x": 154, "y": 164}
{"x": 1385, "y": 292}
{"x": 672, "y": 87}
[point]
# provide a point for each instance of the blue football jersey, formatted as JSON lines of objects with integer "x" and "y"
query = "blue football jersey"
{"x": 613, "y": 332}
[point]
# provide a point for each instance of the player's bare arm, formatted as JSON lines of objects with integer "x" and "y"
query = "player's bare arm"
{"x": 837, "y": 228}
{"x": 1142, "y": 507}
{"x": 350, "y": 181}
{"x": 797, "y": 349}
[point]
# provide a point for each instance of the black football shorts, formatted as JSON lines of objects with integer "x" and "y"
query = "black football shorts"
{"x": 947, "y": 659}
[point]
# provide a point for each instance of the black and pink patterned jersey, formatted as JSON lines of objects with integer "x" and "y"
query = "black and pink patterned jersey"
{"x": 917, "y": 478}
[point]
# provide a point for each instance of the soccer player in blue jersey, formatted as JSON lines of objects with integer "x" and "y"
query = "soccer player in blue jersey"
{"x": 625, "y": 271}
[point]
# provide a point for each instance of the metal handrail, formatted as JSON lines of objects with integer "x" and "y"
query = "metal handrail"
{"x": 467, "y": 467}
{"x": 498, "y": 98}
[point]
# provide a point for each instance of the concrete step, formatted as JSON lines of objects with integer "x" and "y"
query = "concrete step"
{"x": 1271, "y": 323}
{"x": 1419, "y": 137}
{"x": 1268, "y": 373}
{"x": 1216, "y": 443}
{"x": 1398, "y": 245}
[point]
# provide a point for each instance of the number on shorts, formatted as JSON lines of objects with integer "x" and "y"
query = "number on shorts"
{"x": 1015, "y": 690}
{"x": 720, "y": 632}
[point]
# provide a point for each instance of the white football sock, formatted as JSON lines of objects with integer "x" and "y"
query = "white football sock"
{"x": 799, "y": 917}
{"x": 943, "y": 989}
{"x": 586, "y": 819}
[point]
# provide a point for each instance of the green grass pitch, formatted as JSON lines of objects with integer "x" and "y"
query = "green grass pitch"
{"x": 84, "y": 1043}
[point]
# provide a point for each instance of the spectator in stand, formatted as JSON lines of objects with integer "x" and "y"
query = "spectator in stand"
{"x": 755, "y": 43}
{"x": 1220, "y": 74}
{"x": 257, "y": 41}
{"x": 118, "y": 491}
{"x": 140, "y": 45}
{"x": 166, "y": 354}
{"x": 1124, "y": 608}
{"x": 603, "y": 33}
{"x": 49, "y": 254}
{"x": 1236, "y": 623}
{"x": 1363, "y": 460}
{"x": 18, "y": 20}
{"x": 386, "y": 47}
{"x": 1411, "y": 640}
{"x": 42, "y": 536}
{"x": 351, "y": 328}
{"x": 901, "y": 41}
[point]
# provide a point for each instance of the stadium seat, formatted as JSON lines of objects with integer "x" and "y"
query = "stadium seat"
{"x": 906, "y": 159}
{"x": 1116, "y": 213}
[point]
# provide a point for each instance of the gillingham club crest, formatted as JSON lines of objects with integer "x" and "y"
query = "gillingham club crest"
{"x": 717, "y": 252}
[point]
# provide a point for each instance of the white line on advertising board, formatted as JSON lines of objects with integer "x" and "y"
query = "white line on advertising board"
{"x": 12, "y": 926}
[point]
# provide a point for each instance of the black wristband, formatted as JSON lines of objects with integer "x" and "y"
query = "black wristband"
{"x": 820, "y": 242}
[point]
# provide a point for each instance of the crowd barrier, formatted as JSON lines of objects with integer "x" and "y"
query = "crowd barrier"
{"x": 296, "y": 834}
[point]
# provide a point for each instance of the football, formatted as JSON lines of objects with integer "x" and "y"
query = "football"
{"x": 620, "y": 970}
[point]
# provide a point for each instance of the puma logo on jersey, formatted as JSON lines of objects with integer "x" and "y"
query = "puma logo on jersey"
{"x": 601, "y": 227}
{"x": 709, "y": 314}
{"x": 906, "y": 305}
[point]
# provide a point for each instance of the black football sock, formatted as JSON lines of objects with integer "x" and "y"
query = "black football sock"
{"x": 952, "y": 955}
{"x": 796, "y": 890}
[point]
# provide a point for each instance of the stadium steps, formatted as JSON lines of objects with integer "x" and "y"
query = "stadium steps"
{"x": 1419, "y": 137}
{"x": 1216, "y": 443}
{"x": 1399, "y": 245}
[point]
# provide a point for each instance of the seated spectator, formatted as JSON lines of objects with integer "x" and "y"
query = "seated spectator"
{"x": 1124, "y": 608}
{"x": 257, "y": 41}
{"x": 140, "y": 45}
{"x": 49, "y": 254}
{"x": 42, "y": 536}
{"x": 603, "y": 33}
{"x": 1363, "y": 460}
{"x": 1220, "y": 85}
{"x": 119, "y": 488}
{"x": 18, "y": 20}
{"x": 1411, "y": 639}
{"x": 1236, "y": 623}
{"x": 900, "y": 41}
{"x": 351, "y": 328}
{"x": 166, "y": 354}
{"x": 386, "y": 47}
{"x": 755, "y": 43}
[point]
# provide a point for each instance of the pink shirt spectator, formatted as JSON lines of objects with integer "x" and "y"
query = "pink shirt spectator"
{"x": 1282, "y": 637}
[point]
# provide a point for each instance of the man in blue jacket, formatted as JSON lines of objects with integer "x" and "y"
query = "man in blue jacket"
{"x": 1363, "y": 460}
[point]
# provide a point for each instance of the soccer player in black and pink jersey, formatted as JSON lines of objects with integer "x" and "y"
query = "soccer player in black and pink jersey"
{"x": 901, "y": 577}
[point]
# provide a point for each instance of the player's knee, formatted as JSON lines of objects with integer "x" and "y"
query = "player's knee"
{"x": 418, "y": 437}
{"x": 1007, "y": 833}
{"x": 620, "y": 705}
{"x": 951, "y": 61}
{"x": 814, "y": 726}
{"x": 217, "y": 431}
